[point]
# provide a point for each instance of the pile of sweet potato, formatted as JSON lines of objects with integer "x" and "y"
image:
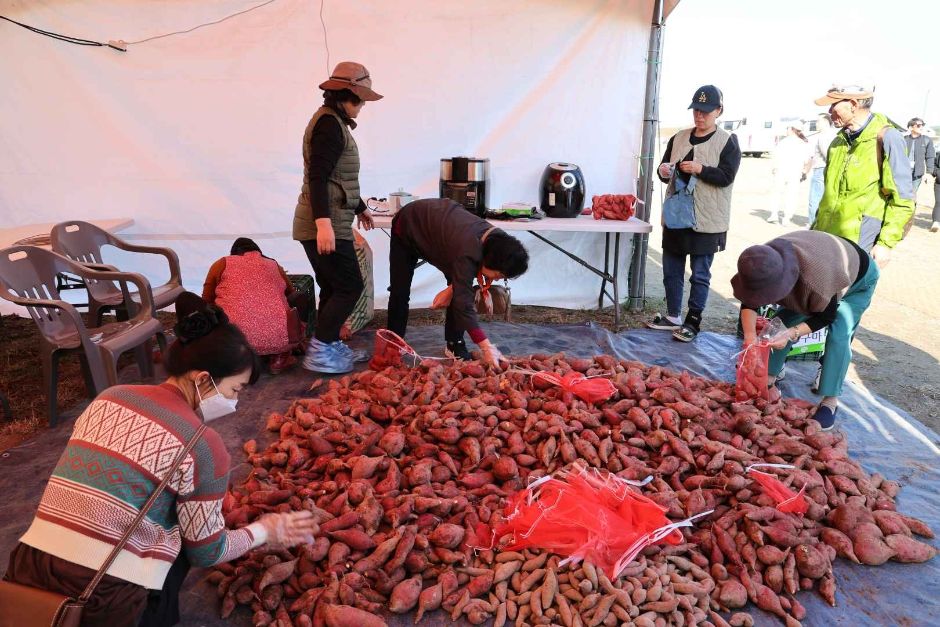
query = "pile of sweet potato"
{"x": 408, "y": 470}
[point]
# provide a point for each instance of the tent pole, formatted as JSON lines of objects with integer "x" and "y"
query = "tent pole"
{"x": 637, "y": 275}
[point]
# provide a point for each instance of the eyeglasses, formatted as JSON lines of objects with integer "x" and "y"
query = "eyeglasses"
{"x": 917, "y": 125}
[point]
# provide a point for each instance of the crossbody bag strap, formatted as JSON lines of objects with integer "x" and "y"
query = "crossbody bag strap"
{"x": 90, "y": 588}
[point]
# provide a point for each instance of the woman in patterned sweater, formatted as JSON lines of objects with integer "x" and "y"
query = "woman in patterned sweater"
{"x": 119, "y": 451}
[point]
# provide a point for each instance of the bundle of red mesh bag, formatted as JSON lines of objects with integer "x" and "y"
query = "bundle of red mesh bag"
{"x": 587, "y": 514}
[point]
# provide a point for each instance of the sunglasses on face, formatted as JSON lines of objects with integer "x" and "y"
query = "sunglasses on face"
{"x": 917, "y": 125}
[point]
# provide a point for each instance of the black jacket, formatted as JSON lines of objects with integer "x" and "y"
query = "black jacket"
{"x": 450, "y": 238}
{"x": 921, "y": 153}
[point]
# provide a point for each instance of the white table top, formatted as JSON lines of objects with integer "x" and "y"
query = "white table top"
{"x": 10, "y": 236}
{"x": 581, "y": 224}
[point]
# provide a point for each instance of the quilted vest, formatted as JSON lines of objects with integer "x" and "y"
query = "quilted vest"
{"x": 342, "y": 186}
{"x": 712, "y": 203}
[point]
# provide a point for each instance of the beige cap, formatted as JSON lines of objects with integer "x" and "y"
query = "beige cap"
{"x": 845, "y": 92}
{"x": 354, "y": 77}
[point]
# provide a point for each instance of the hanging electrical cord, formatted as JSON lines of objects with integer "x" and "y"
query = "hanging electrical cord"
{"x": 78, "y": 41}
{"x": 326, "y": 42}
{"x": 121, "y": 45}
{"x": 198, "y": 26}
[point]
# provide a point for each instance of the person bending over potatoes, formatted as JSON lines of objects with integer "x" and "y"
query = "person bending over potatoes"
{"x": 463, "y": 247}
{"x": 819, "y": 280}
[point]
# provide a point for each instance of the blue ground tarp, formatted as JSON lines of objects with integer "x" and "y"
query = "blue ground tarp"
{"x": 881, "y": 437}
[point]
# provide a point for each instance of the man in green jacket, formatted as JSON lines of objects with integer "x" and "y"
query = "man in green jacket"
{"x": 868, "y": 195}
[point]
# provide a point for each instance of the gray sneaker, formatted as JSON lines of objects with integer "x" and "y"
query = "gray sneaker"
{"x": 357, "y": 355}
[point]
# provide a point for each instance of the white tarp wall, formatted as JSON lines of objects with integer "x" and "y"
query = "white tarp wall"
{"x": 197, "y": 137}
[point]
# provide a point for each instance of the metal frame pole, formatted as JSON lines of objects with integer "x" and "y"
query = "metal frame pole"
{"x": 637, "y": 274}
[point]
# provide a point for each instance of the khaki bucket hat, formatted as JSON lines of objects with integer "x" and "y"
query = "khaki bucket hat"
{"x": 354, "y": 77}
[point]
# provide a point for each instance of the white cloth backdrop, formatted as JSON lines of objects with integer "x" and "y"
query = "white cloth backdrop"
{"x": 197, "y": 137}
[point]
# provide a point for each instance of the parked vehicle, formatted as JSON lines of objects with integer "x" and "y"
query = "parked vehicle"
{"x": 757, "y": 136}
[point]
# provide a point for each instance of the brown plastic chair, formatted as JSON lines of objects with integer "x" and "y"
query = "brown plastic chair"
{"x": 82, "y": 242}
{"x": 27, "y": 278}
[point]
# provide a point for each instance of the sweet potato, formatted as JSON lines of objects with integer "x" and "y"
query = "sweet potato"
{"x": 840, "y": 542}
{"x": 870, "y": 547}
{"x": 909, "y": 550}
{"x": 348, "y": 616}
{"x": 429, "y": 600}
{"x": 917, "y": 526}
{"x": 810, "y": 562}
{"x": 769, "y": 555}
{"x": 447, "y": 535}
{"x": 276, "y": 574}
{"x": 354, "y": 538}
{"x": 732, "y": 594}
{"x": 405, "y": 595}
{"x": 505, "y": 468}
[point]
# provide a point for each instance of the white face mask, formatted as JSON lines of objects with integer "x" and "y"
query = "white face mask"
{"x": 215, "y": 406}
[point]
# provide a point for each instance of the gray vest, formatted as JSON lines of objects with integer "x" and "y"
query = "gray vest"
{"x": 712, "y": 204}
{"x": 342, "y": 186}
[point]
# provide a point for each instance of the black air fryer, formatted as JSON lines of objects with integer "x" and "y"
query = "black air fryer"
{"x": 465, "y": 180}
{"x": 562, "y": 190}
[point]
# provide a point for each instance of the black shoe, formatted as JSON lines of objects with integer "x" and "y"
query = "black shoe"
{"x": 459, "y": 350}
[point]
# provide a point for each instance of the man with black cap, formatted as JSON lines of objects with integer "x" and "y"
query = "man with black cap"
{"x": 819, "y": 280}
{"x": 920, "y": 152}
{"x": 868, "y": 195}
{"x": 699, "y": 167}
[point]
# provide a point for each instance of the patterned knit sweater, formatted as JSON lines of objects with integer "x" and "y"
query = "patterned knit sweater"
{"x": 123, "y": 445}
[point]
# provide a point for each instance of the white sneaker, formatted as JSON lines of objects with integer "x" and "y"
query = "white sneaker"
{"x": 935, "y": 227}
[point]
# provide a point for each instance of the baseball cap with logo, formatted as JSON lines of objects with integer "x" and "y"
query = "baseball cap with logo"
{"x": 840, "y": 92}
{"x": 707, "y": 98}
{"x": 354, "y": 77}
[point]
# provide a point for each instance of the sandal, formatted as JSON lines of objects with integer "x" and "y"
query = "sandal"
{"x": 685, "y": 333}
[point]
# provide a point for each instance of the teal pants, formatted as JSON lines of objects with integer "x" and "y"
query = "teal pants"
{"x": 838, "y": 353}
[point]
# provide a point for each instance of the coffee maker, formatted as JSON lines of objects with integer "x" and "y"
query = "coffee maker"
{"x": 465, "y": 180}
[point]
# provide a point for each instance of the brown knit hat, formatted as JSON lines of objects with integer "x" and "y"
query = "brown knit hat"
{"x": 766, "y": 273}
{"x": 354, "y": 77}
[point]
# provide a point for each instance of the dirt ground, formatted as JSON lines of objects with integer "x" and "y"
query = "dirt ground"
{"x": 897, "y": 349}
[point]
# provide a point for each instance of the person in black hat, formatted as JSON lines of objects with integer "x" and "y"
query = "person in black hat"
{"x": 698, "y": 167}
{"x": 819, "y": 280}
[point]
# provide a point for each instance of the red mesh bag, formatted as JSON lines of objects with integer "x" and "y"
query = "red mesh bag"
{"x": 786, "y": 499}
{"x": 588, "y": 389}
{"x": 588, "y": 515}
{"x": 389, "y": 349}
{"x": 613, "y": 206}
{"x": 751, "y": 372}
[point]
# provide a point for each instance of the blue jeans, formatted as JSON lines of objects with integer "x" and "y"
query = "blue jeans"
{"x": 817, "y": 185}
{"x": 839, "y": 340}
{"x": 674, "y": 278}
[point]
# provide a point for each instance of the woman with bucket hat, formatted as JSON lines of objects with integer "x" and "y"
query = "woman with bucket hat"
{"x": 329, "y": 200}
{"x": 698, "y": 167}
{"x": 819, "y": 280}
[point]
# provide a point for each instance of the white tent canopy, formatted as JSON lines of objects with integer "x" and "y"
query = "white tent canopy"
{"x": 197, "y": 136}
